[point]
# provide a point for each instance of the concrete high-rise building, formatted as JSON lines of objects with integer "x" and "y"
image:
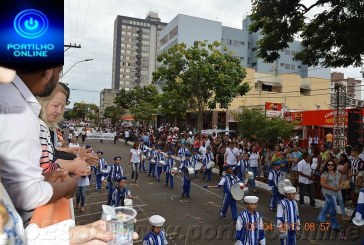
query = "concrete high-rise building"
{"x": 107, "y": 97}
{"x": 135, "y": 50}
{"x": 353, "y": 88}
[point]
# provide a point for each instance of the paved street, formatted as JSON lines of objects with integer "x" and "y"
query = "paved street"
{"x": 196, "y": 220}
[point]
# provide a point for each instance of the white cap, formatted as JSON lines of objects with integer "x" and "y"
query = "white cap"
{"x": 190, "y": 132}
{"x": 289, "y": 189}
{"x": 157, "y": 220}
{"x": 251, "y": 199}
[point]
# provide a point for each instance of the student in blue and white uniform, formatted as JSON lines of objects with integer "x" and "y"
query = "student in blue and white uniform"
{"x": 101, "y": 165}
{"x": 195, "y": 158}
{"x": 182, "y": 151}
{"x": 206, "y": 159}
{"x": 249, "y": 226}
{"x": 227, "y": 182}
{"x": 144, "y": 151}
{"x": 152, "y": 156}
{"x": 186, "y": 181}
{"x": 160, "y": 157}
{"x": 243, "y": 165}
{"x": 359, "y": 209}
{"x": 120, "y": 193}
{"x": 168, "y": 170}
{"x": 288, "y": 220}
{"x": 115, "y": 173}
{"x": 273, "y": 178}
{"x": 157, "y": 235}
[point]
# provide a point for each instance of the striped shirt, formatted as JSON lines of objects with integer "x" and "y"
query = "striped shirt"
{"x": 287, "y": 213}
{"x": 169, "y": 164}
{"x": 208, "y": 157}
{"x": 228, "y": 181}
{"x": 249, "y": 228}
{"x": 356, "y": 165}
{"x": 153, "y": 239}
{"x": 273, "y": 178}
{"x": 360, "y": 207}
{"x": 47, "y": 161}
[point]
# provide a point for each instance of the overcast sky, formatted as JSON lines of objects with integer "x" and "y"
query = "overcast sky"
{"x": 91, "y": 24}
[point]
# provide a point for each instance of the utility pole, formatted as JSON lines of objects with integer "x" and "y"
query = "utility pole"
{"x": 68, "y": 46}
{"x": 339, "y": 103}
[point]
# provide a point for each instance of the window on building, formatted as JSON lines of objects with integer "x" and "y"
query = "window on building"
{"x": 248, "y": 60}
{"x": 242, "y": 43}
{"x": 173, "y": 33}
{"x": 293, "y": 53}
{"x": 287, "y": 66}
{"x": 242, "y": 58}
{"x": 228, "y": 41}
{"x": 254, "y": 49}
{"x": 281, "y": 64}
{"x": 254, "y": 63}
{"x": 267, "y": 88}
{"x": 248, "y": 44}
{"x": 293, "y": 67}
{"x": 305, "y": 91}
{"x": 299, "y": 67}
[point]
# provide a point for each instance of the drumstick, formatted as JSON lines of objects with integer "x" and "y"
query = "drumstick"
{"x": 210, "y": 186}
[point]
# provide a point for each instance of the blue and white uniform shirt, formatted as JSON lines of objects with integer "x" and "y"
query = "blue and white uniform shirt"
{"x": 153, "y": 239}
{"x": 207, "y": 158}
{"x": 250, "y": 228}
{"x": 228, "y": 181}
{"x": 287, "y": 213}
{"x": 273, "y": 178}
{"x": 115, "y": 173}
{"x": 169, "y": 164}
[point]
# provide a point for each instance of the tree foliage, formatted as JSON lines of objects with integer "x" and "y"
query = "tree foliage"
{"x": 114, "y": 113}
{"x": 330, "y": 38}
{"x": 141, "y": 102}
{"x": 83, "y": 111}
{"x": 252, "y": 123}
{"x": 204, "y": 74}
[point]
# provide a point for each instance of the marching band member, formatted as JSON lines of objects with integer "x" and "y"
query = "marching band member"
{"x": 244, "y": 165}
{"x": 160, "y": 157}
{"x": 120, "y": 193}
{"x": 156, "y": 236}
{"x": 288, "y": 220}
{"x": 249, "y": 226}
{"x": 186, "y": 181}
{"x": 273, "y": 178}
{"x": 195, "y": 158}
{"x": 115, "y": 173}
{"x": 152, "y": 155}
{"x": 169, "y": 166}
{"x": 359, "y": 209}
{"x": 144, "y": 151}
{"x": 227, "y": 182}
{"x": 101, "y": 165}
{"x": 206, "y": 159}
{"x": 182, "y": 151}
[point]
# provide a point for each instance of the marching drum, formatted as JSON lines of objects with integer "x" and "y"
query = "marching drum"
{"x": 248, "y": 175}
{"x": 174, "y": 171}
{"x": 143, "y": 157}
{"x": 198, "y": 166}
{"x": 283, "y": 183}
{"x": 191, "y": 172}
{"x": 210, "y": 165}
{"x": 161, "y": 163}
{"x": 106, "y": 170}
{"x": 152, "y": 161}
{"x": 128, "y": 202}
{"x": 238, "y": 191}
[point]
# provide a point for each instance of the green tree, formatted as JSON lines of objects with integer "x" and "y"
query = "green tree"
{"x": 84, "y": 111}
{"x": 329, "y": 38}
{"x": 206, "y": 75}
{"x": 114, "y": 113}
{"x": 254, "y": 124}
{"x": 141, "y": 102}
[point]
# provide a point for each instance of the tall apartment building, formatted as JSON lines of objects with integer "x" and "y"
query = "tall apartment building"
{"x": 353, "y": 88}
{"x": 135, "y": 50}
{"x": 187, "y": 29}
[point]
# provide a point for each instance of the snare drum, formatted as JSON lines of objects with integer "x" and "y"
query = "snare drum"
{"x": 106, "y": 170}
{"x": 198, "y": 166}
{"x": 174, "y": 171}
{"x": 238, "y": 191}
{"x": 191, "y": 172}
{"x": 161, "y": 163}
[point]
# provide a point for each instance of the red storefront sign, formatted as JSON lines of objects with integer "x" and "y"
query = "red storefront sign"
{"x": 273, "y": 109}
{"x": 313, "y": 118}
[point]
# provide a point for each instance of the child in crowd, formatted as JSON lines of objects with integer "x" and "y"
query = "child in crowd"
{"x": 168, "y": 170}
{"x": 114, "y": 175}
{"x": 249, "y": 226}
{"x": 288, "y": 220}
{"x": 152, "y": 155}
{"x": 157, "y": 235}
{"x": 101, "y": 165}
{"x": 208, "y": 157}
{"x": 120, "y": 193}
{"x": 186, "y": 181}
{"x": 160, "y": 165}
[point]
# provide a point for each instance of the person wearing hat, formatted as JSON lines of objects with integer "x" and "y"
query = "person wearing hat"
{"x": 120, "y": 193}
{"x": 249, "y": 226}
{"x": 288, "y": 220}
{"x": 195, "y": 158}
{"x": 101, "y": 165}
{"x": 208, "y": 157}
{"x": 115, "y": 173}
{"x": 160, "y": 157}
{"x": 152, "y": 156}
{"x": 273, "y": 178}
{"x": 144, "y": 151}
{"x": 182, "y": 151}
{"x": 157, "y": 235}
{"x": 186, "y": 181}
{"x": 169, "y": 165}
{"x": 227, "y": 182}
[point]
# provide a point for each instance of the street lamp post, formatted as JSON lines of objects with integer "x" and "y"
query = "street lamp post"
{"x": 63, "y": 74}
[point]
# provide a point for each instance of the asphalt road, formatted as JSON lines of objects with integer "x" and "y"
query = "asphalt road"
{"x": 196, "y": 220}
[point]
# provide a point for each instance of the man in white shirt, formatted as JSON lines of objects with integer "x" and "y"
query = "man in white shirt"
{"x": 231, "y": 155}
{"x": 305, "y": 179}
{"x": 20, "y": 150}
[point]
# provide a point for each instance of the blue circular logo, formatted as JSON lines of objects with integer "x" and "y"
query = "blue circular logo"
{"x": 31, "y": 23}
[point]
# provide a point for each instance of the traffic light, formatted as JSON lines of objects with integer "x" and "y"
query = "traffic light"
{"x": 355, "y": 127}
